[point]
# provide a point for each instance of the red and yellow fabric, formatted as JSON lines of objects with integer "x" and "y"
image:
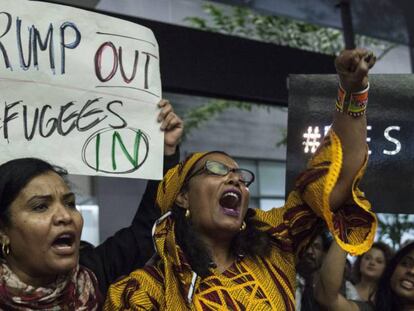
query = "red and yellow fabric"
{"x": 253, "y": 283}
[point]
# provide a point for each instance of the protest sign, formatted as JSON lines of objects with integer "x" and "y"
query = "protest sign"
{"x": 389, "y": 179}
{"x": 79, "y": 89}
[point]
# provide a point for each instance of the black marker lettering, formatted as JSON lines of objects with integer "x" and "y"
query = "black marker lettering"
{"x": 29, "y": 136}
{"x": 108, "y": 107}
{"x": 23, "y": 63}
{"x": 84, "y": 114}
{"x": 43, "y": 45}
{"x": 7, "y": 118}
{"x": 64, "y": 45}
{"x": 2, "y": 48}
{"x": 42, "y": 121}
{"x": 74, "y": 115}
{"x": 147, "y": 63}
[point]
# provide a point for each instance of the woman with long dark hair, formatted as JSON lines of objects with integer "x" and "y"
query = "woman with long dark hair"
{"x": 40, "y": 230}
{"x": 396, "y": 286}
{"x": 395, "y": 289}
{"x": 368, "y": 269}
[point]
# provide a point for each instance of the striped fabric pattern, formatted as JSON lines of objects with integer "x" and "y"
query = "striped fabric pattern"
{"x": 253, "y": 283}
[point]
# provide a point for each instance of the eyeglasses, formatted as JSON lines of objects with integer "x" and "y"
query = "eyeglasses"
{"x": 220, "y": 169}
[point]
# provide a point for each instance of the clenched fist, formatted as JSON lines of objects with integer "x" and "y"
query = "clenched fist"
{"x": 352, "y": 67}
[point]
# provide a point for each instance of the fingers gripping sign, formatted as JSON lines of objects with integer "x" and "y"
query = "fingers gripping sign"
{"x": 172, "y": 125}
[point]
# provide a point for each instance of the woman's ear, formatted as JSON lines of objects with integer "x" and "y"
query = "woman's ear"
{"x": 4, "y": 238}
{"x": 182, "y": 200}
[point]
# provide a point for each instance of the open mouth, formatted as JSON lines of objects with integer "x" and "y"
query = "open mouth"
{"x": 407, "y": 284}
{"x": 230, "y": 202}
{"x": 65, "y": 241}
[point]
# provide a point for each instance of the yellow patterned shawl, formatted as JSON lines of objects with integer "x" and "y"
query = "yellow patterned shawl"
{"x": 173, "y": 181}
{"x": 254, "y": 283}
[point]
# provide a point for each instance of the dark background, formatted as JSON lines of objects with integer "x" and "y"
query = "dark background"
{"x": 389, "y": 180}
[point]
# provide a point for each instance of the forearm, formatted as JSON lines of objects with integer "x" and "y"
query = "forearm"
{"x": 328, "y": 285}
{"x": 130, "y": 247}
{"x": 170, "y": 150}
{"x": 147, "y": 212}
{"x": 352, "y": 132}
{"x": 330, "y": 183}
{"x": 349, "y": 120}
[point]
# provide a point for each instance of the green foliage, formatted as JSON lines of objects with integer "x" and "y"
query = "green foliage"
{"x": 196, "y": 117}
{"x": 199, "y": 115}
{"x": 283, "y": 141}
{"x": 243, "y": 22}
{"x": 393, "y": 227}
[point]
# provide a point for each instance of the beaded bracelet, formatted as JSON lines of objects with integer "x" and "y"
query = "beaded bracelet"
{"x": 354, "y": 104}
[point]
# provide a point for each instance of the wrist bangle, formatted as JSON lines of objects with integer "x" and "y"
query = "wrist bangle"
{"x": 353, "y": 104}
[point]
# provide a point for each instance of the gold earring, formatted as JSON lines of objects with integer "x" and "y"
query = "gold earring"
{"x": 243, "y": 226}
{"x": 5, "y": 248}
{"x": 187, "y": 213}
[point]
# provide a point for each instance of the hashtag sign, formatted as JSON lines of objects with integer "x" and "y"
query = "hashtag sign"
{"x": 311, "y": 141}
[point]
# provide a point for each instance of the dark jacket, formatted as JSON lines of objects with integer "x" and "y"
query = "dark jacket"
{"x": 130, "y": 248}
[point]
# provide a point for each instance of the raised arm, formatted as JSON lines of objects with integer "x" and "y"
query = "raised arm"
{"x": 172, "y": 126}
{"x": 147, "y": 212}
{"x": 350, "y": 124}
{"x": 329, "y": 185}
{"x": 329, "y": 281}
{"x": 131, "y": 247}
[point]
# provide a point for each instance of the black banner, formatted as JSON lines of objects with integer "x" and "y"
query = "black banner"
{"x": 389, "y": 180}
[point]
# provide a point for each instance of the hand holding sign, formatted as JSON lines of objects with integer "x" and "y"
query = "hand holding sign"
{"x": 172, "y": 125}
{"x": 84, "y": 85}
{"x": 352, "y": 67}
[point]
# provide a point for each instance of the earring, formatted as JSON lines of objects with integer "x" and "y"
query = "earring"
{"x": 5, "y": 249}
{"x": 187, "y": 213}
{"x": 243, "y": 226}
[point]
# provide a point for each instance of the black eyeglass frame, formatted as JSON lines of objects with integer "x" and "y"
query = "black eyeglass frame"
{"x": 229, "y": 170}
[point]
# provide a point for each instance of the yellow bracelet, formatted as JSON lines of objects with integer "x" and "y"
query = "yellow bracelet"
{"x": 354, "y": 104}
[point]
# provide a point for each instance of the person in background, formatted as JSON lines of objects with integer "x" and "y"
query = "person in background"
{"x": 40, "y": 231}
{"x": 396, "y": 286}
{"x": 368, "y": 269}
{"x": 307, "y": 268}
{"x": 371, "y": 265}
{"x": 213, "y": 253}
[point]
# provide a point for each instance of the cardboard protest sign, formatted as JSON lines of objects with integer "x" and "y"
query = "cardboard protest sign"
{"x": 79, "y": 89}
{"x": 389, "y": 179}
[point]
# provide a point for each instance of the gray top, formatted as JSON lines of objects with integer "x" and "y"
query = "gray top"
{"x": 364, "y": 306}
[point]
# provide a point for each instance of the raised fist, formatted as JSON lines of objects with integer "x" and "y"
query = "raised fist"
{"x": 352, "y": 67}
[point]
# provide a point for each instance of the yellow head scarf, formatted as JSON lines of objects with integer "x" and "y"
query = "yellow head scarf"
{"x": 173, "y": 181}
